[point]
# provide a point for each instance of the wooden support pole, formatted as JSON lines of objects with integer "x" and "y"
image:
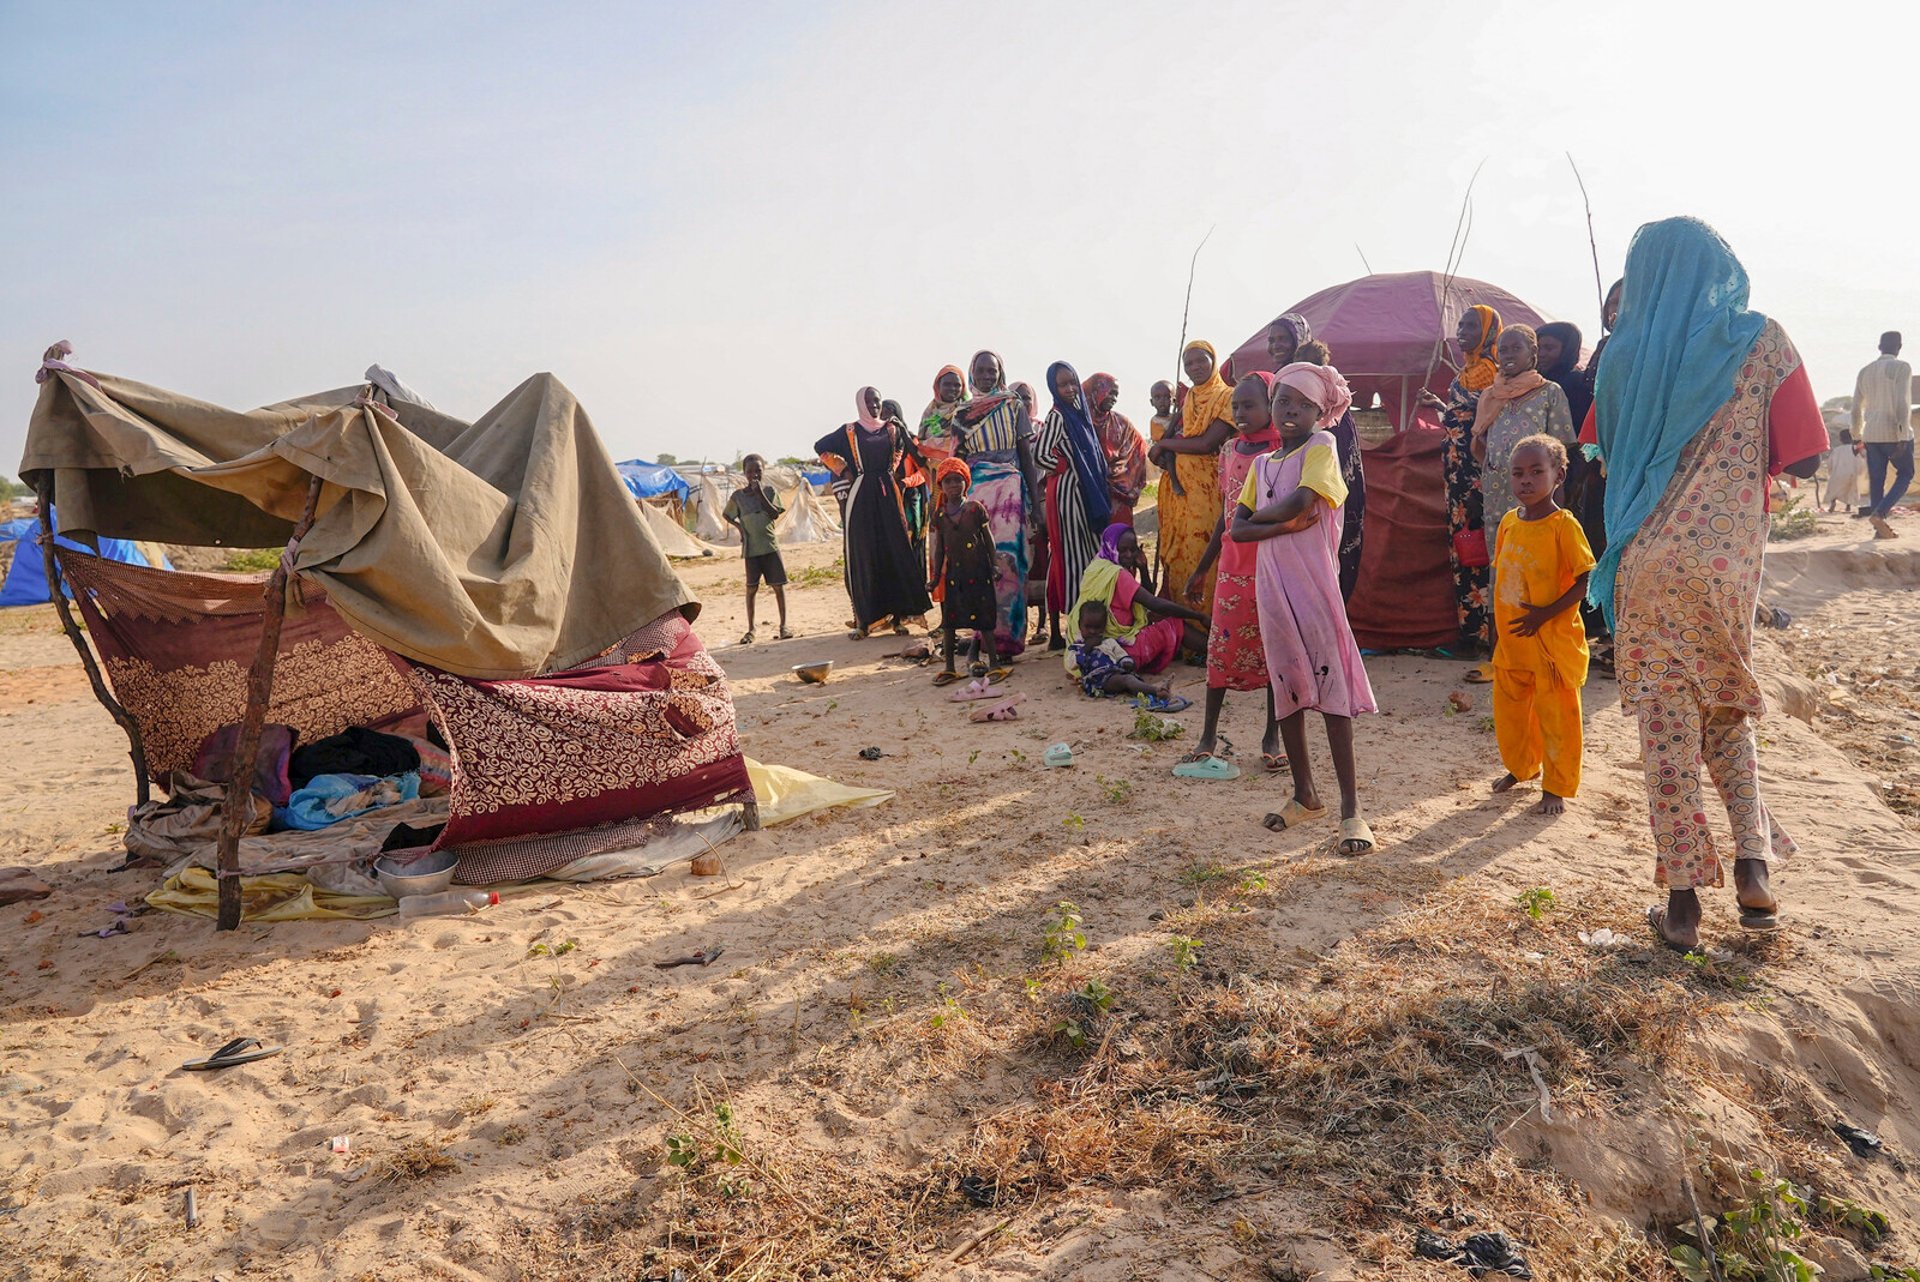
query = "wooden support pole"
{"x": 238, "y": 808}
{"x": 142, "y": 789}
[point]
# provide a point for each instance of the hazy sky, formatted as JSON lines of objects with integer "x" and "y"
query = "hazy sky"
{"x": 715, "y": 221}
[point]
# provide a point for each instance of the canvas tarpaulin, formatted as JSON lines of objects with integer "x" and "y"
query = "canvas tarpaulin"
{"x": 503, "y": 548}
{"x": 1404, "y": 598}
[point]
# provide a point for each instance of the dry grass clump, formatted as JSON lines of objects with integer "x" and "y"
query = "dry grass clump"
{"x": 413, "y": 1161}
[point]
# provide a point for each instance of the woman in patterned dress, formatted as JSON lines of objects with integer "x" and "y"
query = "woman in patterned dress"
{"x": 993, "y": 433}
{"x": 1522, "y": 402}
{"x": 1074, "y": 468}
{"x": 1478, "y": 333}
{"x": 1236, "y": 656}
{"x": 1700, "y": 403}
{"x": 1126, "y": 452}
{"x": 1189, "y": 495}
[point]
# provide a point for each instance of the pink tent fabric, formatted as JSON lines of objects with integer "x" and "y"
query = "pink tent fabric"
{"x": 1382, "y": 330}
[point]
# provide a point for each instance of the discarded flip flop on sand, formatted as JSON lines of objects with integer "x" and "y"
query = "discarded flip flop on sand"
{"x": 1356, "y": 836}
{"x": 1207, "y": 766}
{"x": 241, "y": 1050}
{"x": 705, "y": 957}
{"x": 1002, "y": 709}
{"x": 1292, "y": 815}
{"x": 976, "y": 690}
{"x": 1058, "y": 756}
{"x": 1158, "y": 703}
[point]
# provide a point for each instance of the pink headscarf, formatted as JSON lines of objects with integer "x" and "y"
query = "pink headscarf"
{"x": 872, "y": 422}
{"x": 1320, "y": 384}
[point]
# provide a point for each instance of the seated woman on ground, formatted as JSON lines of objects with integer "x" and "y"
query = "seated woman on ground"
{"x": 1151, "y": 628}
{"x": 1103, "y": 664}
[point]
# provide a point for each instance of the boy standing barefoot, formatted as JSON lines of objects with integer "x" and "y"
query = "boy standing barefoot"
{"x": 752, "y": 511}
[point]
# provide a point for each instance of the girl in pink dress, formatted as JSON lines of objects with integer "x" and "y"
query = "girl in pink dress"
{"x": 1290, "y": 508}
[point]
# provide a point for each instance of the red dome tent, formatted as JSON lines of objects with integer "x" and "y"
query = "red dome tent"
{"x": 1383, "y": 331}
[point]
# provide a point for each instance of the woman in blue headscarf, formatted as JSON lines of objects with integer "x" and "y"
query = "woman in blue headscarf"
{"x": 1700, "y": 403}
{"x": 1067, "y": 451}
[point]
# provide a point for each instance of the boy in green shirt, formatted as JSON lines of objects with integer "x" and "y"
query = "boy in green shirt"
{"x": 752, "y": 511}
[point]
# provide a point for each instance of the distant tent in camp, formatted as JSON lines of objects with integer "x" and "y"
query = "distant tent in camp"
{"x": 25, "y": 580}
{"x": 671, "y": 535}
{"x": 1391, "y": 335}
{"x": 807, "y": 519}
{"x": 494, "y": 579}
{"x": 646, "y": 480}
{"x": 710, "y": 500}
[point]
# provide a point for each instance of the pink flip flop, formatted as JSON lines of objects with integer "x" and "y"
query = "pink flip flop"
{"x": 1004, "y": 710}
{"x": 975, "y": 690}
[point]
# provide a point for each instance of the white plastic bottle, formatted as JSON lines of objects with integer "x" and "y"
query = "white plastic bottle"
{"x": 448, "y": 902}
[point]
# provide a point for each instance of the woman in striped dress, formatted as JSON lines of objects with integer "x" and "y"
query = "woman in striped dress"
{"x": 1073, "y": 466}
{"x": 993, "y": 433}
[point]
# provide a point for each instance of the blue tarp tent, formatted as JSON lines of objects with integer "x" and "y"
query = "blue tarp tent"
{"x": 651, "y": 481}
{"x": 26, "y": 582}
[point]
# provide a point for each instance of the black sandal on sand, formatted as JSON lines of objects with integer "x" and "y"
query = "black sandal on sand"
{"x": 1759, "y": 919}
{"x": 241, "y": 1050}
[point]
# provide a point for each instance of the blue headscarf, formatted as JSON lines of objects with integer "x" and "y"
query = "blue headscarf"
{"x": 1683, "y": 335}
{"x": 1083, "y": 444}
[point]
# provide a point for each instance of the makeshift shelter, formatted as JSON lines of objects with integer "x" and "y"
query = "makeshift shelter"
{"x": 671, "y": 535}
{"x": 24, "y": 581}
{"x": 495, "y": 577}
{"x": 808, "y": 519}
{"x": 1392, "y": 335}
{"x": 646, "y": 480}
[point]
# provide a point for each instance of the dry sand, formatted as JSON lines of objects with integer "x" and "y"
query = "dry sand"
{"x": 1330, "y": 1074}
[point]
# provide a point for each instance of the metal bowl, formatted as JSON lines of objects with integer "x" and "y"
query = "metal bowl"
{"x": 427, "y": 875}
{"x": 813, "y": 673}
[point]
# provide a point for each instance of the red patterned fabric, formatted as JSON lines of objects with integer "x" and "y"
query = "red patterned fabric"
{"x": 646, "y": 728}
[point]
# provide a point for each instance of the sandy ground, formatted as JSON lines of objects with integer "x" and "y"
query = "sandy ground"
{"x": 870, "y": 1026}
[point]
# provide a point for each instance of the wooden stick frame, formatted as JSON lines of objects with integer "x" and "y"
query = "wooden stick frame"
{"x": 238, "y": 807}
{"x": 136, "y": 748}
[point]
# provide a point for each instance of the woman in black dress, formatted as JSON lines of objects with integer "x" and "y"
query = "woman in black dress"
{"x": 884, "y": 578}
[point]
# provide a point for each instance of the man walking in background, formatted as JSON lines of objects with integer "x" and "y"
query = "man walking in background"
{"x": 1883, "y": 431}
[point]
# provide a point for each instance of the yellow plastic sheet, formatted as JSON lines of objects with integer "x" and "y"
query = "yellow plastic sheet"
{"x": 281, "y": 896}
{"x": 787, "y": 794}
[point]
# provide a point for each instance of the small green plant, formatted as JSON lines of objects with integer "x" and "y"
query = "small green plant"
{"x": 1756, "y": 1240}
{"x": 1118, "y": 792}
{"x": 820, "y": 576}
{"x": 1084, "y": 1009}
{"x": 1892, "y": 1273}
{"x": 832, "y": 704}
{"x": 1844, "y": 1212}
{"x": 883, "y": 963}
{"x": 693, "y": 1156}
{"x": 553, "y": 953}
{"x": 1064, "y": 935}
{"x": 1034, "y": 988}
{"x": 973, "y": 756}
{"x": 1186, "y": 951}
{"x": 1074, "y": 823}
{"x": 1201, "y": 874}
{"x": 1155, "y": 728}
{"x": 1535, "y": 901}
{"x": 950, "y": 1012}
{"x": 1793, "y": 520}
{"x": 1252, "y": 882}
{"x": 1485, "y": 725}
{"x": 1017, "y": 755}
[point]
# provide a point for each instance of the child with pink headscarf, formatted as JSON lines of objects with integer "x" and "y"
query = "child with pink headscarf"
{"x": 1291, "y": 508}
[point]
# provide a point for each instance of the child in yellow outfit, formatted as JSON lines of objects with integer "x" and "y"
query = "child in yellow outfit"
{"x": 1540, "y": 565}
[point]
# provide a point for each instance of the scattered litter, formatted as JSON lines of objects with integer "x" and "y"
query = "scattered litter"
{"x": 976, "y": 1190}
{"x": 241, "y": 1050}
{"x": 1603, "y": 938}
{"x": 191, "y": 1214}
{"x": 119, "y": 927}
{"x": 871, "y": 754}
{"x": 1863, "y": 1143}
{"x": 1534, "y": 956}
{"x": 1480, "y": 1255}
{"x": 341, "y": 1143}
{"x": 1059, "y": 755}
{"x": 705, "y": 957}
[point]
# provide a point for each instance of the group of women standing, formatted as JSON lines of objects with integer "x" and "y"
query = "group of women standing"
{"x": 1047, "y": 488}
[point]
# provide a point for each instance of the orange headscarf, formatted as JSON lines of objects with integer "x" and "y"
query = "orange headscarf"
{"x": 1481, "y": 368}
{"x": 1212, "y": 399}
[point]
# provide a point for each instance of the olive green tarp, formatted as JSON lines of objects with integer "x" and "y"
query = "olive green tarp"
{"x": 507, "y": 547}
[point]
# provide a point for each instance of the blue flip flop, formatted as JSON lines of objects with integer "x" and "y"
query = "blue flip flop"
{"x": 1216, "y": 769}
